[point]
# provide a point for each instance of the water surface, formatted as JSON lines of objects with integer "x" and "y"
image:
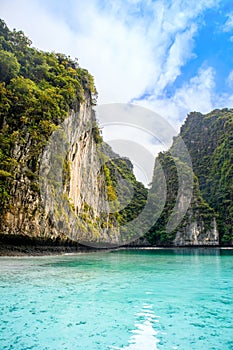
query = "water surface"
{"x": 121, "y": 300}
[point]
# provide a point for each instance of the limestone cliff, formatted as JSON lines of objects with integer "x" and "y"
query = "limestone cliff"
{"x": 69, "y": 199}
{"x": 58, "y": 180}
{"x": 198, "y": 227}
{"x": 73, "y": 191}
{"x": 209, "y": 139}
{"x": 209, "y": 144}
{"x": 186, "y": 219}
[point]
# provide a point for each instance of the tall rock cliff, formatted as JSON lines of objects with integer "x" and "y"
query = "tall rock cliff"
{"x": 58, "y": 179}
{"x": 209, "y": 139}
{"x": 66, "y": 195}
{"x": 208, "y": 220}
{"x": 186, "y": 219}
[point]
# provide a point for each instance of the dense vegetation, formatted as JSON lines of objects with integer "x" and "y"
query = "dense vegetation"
{"x": 127, "y": 196}
{"x": 157, "y": 234}
{"x": 209, "y": 139}
{"x": 37, "y": 91}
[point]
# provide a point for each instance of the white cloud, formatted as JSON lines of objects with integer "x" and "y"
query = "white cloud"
{"x": 129, "y": 52}
{"x": 178, "y": 54}
{"x": 129, "y": 48}
{"x": 47, "y": 31}
{"x": 193, "y": 95}
{"x": 228, "y": 26}
{"x": 229, "y": 80}
{"x": 198, "y": 94}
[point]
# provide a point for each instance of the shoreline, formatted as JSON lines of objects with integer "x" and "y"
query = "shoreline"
{"x": 59, "y": 250}
{"x": 39, "y": 253}
{"x": 28, "y": 246}
{"x": 21, "y": 245}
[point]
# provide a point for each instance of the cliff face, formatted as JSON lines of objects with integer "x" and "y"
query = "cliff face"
{"x": 195, "y": 233}
{"x": 72, "y": 189}
{"x": 208, "y": 220}
{"x": 58, "y": 179}
{"x": 198, "y": 227}
{"x": 209, "y": 139}
{"x": 69, "y": 199}
{"x": 186, "y": 219}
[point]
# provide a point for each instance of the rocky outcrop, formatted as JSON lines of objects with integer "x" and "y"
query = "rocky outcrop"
{"x": 209, "y": 139}
{"x": 74, "y": 187}
{"x": 198, "y": 227}
{"x": 67, "y": 197}
{"x": 196, "y": 233}
{"x": 186, "y": 219}
{"x": 58, "y": 180}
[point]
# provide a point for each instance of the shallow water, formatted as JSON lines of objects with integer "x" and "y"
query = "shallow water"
{"x": 130, "y": 299}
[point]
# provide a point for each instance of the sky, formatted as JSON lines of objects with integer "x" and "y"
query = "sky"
{"x": 171, "y": 56}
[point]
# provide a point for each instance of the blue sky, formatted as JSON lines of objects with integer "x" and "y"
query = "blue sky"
{"x": 170, "y": 56}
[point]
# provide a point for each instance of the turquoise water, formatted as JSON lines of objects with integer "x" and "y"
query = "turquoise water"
{"x": 122, "y": 300}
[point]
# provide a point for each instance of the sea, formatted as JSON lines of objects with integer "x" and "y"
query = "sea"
{"x": 136, "y": 299}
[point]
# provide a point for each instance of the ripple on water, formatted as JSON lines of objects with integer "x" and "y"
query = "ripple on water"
{"x": 143, "y": 336}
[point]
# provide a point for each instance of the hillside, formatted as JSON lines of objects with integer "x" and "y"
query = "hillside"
{"x": 58, "y": 180}
{"x": 209, "y": 140}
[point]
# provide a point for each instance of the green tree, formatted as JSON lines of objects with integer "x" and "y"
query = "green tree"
{"x": 9, "y": 66}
